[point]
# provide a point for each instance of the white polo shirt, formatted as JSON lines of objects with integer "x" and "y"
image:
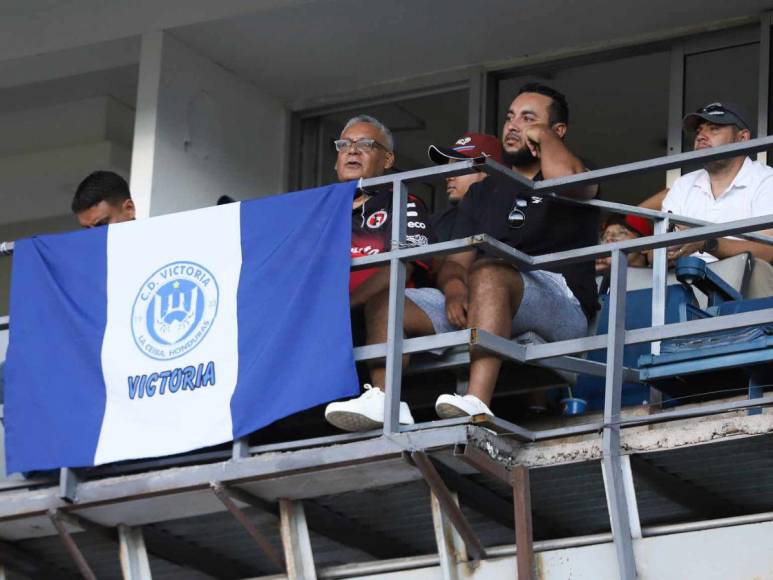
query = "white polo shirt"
{"x": 749, "y": 195}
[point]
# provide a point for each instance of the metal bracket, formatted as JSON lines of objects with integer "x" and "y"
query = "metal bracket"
{"x": 240, "y": 449}
{"x": 68, "y": 484}
{"x": 423, "y": 463}
{"x": 69, "y": 543}
{"x": 224, "y": 495}
{"x": 518, "y": 478}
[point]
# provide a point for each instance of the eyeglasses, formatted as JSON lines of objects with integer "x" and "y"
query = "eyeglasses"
{"x": 361, "y": 145}
{"x": 517, "y": 216}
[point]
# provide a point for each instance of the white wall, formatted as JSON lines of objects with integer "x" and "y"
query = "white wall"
{"x": 201, "y": 132}
{"x": 718, "y": 554}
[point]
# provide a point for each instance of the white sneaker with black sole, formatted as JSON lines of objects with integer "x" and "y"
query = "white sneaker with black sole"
{"x": 364, "y": 413}
{"x": 452, "y": 406}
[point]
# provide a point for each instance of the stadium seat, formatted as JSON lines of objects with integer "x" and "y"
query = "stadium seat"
{"x": 718, "y": 362}
{"x": 733, "y": 273}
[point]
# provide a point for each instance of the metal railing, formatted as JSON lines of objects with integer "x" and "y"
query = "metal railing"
{"x": 556, "y": 355}
{"x": 559, "y": 355}
{"x": 618, "y": 487}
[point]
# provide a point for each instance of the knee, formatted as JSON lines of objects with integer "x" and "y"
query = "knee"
{"x": 492, "y": 274}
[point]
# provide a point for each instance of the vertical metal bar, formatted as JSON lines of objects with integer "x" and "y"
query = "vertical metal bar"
{"x": 397, "y": 273}
{"x": 524, "y": 540}
{"x": 260, "y": 539}
{"x": 68, "y": 484}
{"x": 296, "y": 541}
{"x": 611, "y": 463}
{"x": 764, "y": 83}
{"x": 475, "y": 96}
{"x": 615, "y": 337}
{"x": 451, "y": 548}
{"x": 659, "y": 282}
{"x": 135, "y": 564}
{"x": 450, "y": 509}
{"x": 240, "y": 448}
{"x": 462, "y": 381}
{"x": 72, "y": 548}
{"x": 755, "y": 392}
{"x": 675, "y": 108}
{"x": 630, "y": 496}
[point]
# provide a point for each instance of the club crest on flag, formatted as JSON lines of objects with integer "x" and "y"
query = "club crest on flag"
{"x": 174, "y": 309}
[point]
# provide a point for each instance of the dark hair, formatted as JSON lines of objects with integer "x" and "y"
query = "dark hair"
{"x": 615, "y": 219}
{"x": 559, "y": 108}
{"x": 98, "y": 187}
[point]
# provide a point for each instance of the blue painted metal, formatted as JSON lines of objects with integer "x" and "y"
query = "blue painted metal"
{"x": 693, "y": 271}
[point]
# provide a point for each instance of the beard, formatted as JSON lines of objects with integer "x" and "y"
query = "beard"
{"x": 718, "y": 165}
{"x": 519, "y": 158}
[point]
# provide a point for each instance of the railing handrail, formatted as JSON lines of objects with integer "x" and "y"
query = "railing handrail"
{"x": 544, "y": 354}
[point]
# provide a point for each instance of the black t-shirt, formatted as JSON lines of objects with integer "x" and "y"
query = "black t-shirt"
{"x": 372, "y": 234}
{"x": 443, "y": 224}
{"x": 550, "y": 226}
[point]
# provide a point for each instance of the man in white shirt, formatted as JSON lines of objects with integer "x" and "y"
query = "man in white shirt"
{"x": 724, "y": 190}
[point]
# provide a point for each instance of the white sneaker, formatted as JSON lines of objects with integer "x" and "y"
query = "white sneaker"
{"x": 364, "y": 413}
{"x": 450, "y": 406}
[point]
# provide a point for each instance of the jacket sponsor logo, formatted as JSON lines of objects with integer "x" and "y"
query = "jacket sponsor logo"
{"x": 377, "y": 219}
{"x": 365, "y": 251}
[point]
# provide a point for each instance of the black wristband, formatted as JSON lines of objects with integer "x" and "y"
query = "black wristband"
{"x": 710, "y": 246}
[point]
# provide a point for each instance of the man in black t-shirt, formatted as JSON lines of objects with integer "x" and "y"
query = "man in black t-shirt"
{"x": 492, "y": 295}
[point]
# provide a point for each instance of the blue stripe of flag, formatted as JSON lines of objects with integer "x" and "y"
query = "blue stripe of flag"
{"x": 55, "y": 391}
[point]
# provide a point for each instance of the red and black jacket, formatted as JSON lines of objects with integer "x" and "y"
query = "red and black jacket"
{"x": 372, "y": 233}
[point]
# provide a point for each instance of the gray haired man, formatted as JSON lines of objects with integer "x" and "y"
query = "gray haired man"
{"x": 365, "y": 150}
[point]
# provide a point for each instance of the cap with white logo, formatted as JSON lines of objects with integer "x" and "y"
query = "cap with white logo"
{"x": 469, "y": 145}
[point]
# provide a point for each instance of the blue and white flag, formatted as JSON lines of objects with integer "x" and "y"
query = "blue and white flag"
{"x": 169, "y": 334}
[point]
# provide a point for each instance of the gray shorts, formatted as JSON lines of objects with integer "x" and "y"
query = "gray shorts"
{"x": 548, "y": 308}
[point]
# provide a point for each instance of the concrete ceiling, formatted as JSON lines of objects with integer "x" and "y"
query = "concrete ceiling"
{"x": 302, "y": 50}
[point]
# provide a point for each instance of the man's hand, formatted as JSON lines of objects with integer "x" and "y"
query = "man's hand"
{"x": 675, "y": 252}
{"x": 456, "y": 302}
{"x": 534, "y": 135}
{"x": 456, "y": 309}
{"x": 452, "y": 280}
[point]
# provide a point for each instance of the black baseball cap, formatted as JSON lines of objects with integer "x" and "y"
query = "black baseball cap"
{"x": 717, "y": 113}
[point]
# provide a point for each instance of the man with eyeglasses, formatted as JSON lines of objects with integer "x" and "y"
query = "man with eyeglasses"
{"x": 366, "y": 149}
{"x": 619, "y": 228}
{"x": 724, "y": 190}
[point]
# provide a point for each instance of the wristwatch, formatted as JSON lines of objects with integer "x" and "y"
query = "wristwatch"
{"x": 710, "y": 246}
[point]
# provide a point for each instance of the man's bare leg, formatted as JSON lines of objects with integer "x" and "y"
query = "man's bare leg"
{"x": 415, "y": 323}
{"x": 496, "y": 290}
